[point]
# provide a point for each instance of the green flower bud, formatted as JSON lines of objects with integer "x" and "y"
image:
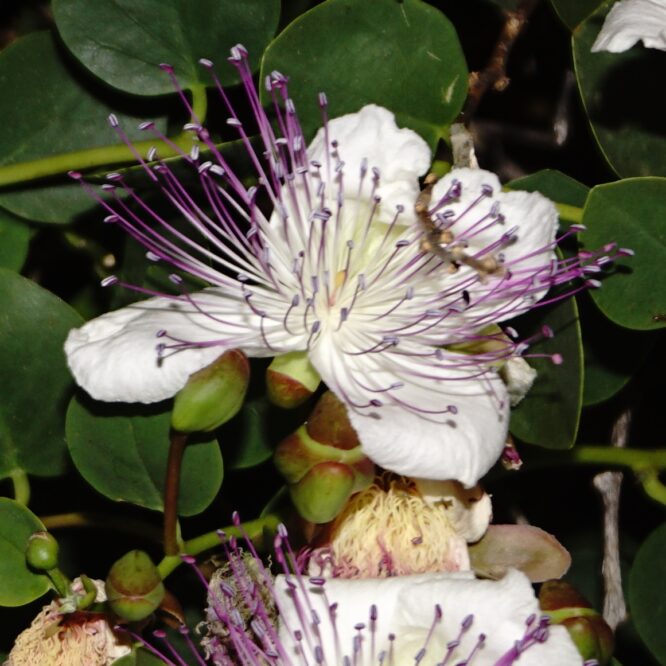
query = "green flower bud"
{"x": 42, "y": 551}
{"x": 291, "y": 380}
{"x": 134, "y": 588}
{"x": 320, "y": 495}
{"x": 213, "y": 395}
{"x": 566, "y": 606}
{"x": 323, "y": 463}
{"x": 329, "y": 423}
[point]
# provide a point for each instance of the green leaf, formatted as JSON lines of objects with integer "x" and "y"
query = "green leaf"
{"x": 631, "y": 213}
{"x": 123, "y": 42}
{"x": 248, "y": 435}
{"x": 121, "y": 450}
{"x": 18, "y": 584}
{"x": 553, "y": 184}
{"x": 618, "y": 92}
{"x": 612, "y": 354}
{"x": 33, "y": 327}
{"x": 404, "y": 56}
{"x": 549, "y": 414}
{"x": 48, "y": 109}
{"x": 573, "y": 12}
{"x": 647, "y": 592}
{"x": 14, "y": 241}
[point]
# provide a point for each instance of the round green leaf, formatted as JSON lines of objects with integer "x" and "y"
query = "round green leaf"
{"x": 404, "y": 56}
{"x": 248, "y": 435}
{"x": 612, "y": 355}
{"x": 123, "y": 42}
{"x": 33, "y": 327}
{"x": 48, "y": 109}
{"x": 553, "y": 184}
{"x": 618, "y": 92}
{"x": 121, "y": 450}
{"x": 18, "y": 584}
{"x": 572, "y": 12}
{"x": 550, "y": 412}
{"x": 14, "y": 240}
{"x": 647, "y": 592}
{"x": 631, "y": 212}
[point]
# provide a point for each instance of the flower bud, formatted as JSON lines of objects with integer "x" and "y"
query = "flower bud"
{"x": 587, "y": 628}
{"x": 291, "y": 380}
{"x": 320, "y": 495}
{"x": 213, "y": 395}
{"x": 42, "y": 551}
{"x": 133, "y": 587}
{"x": 323, "y": 463}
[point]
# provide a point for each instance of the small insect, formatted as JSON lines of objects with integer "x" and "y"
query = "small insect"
{"x": 659, "y": 317}
{"x": 441, "y": 242}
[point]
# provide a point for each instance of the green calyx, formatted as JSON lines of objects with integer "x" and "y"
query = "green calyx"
{"x": 134, "y": 587}
{"x": 291, "y": 380}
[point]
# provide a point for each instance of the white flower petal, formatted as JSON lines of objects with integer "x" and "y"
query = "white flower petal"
{"x": 412, "y": 433}
{"x": 518, "y": 376}
{"x": 469, "y": 509}
{"x": 630, "y": 21}
{"x": 114, "y": 357}
{"x": 372, "y": 136}
{"x": 406, "y": 607}
{"x": 532, "y": 219}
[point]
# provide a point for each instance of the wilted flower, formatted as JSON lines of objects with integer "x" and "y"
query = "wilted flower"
{"x": 327, "y": 257}
{"x": 398, "y": 526}
{"x": 630, "y": 21}
{"x": 62, "y": 636}
{"x": 427, "y": 619}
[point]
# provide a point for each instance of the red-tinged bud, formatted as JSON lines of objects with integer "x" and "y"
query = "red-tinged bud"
{"x": 329, "y": 424}
{"x": 42, "y": 551}
{"x": 323, "y": 452}
{"x": 566, "y": 606}
{"x": 291, "y": 380}
{"x": 134, "y": 587}
{"x": 320, "y": 495}
{"x": 213, "y": 395}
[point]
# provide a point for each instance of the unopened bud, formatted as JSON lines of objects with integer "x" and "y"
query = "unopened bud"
{"x": 134, "y": 587}
{"x": 291, "y": 380}
{"x": 566, "y": 606}
{"x": 330, "y": 425}
{"x": 323, "y": 463}
{"x": 213, "y": 395}
{"x": 42, "y": 551}
{"x": 320, "y": 495}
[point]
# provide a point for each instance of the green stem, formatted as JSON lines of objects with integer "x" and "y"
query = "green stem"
{"x": 103, "y": 156}
{"x": 637, "y": 459}
{"x": 102, "y": 521}
{"x": 569, "y": 213}
{"x": 652, "y": 486}
{"x": 21, "y": 485}
{"x": 253, "y": 529}
{"x": 60, "y": 582}
{"x": 80, "y": 160}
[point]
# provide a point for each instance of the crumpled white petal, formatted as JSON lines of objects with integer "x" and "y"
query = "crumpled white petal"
{"x": 630, "y": 21}
{"x": 469, "y": 509}
{"x": 519, "y": 376}
{"x": 405, "y": 607}
{"x": 371, "y": 137}
{"x": 114, "y": 357}
{"x": 411, "y": 433}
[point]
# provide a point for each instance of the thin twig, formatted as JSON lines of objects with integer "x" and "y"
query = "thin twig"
{"x": 608, "y": 484}
{"x": 171, "y": 487}
{"x": 494, "y": 75}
